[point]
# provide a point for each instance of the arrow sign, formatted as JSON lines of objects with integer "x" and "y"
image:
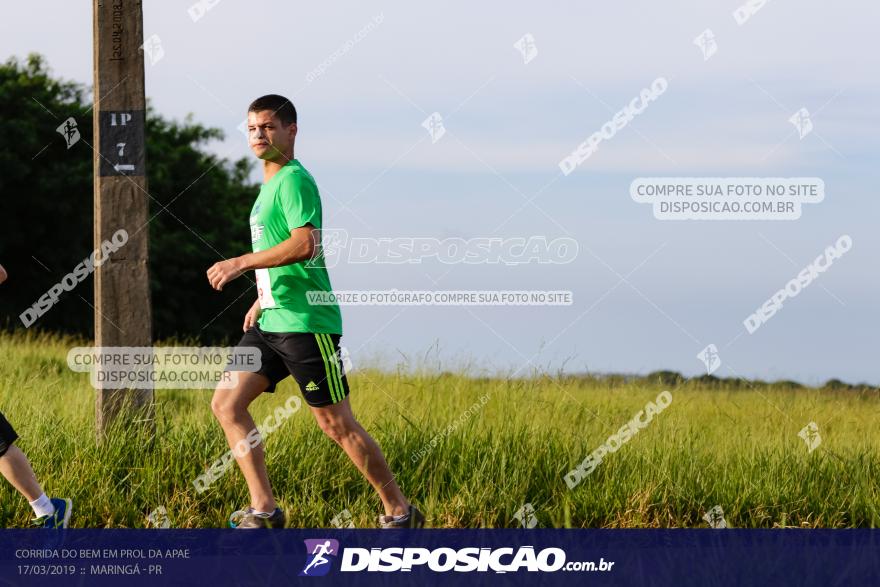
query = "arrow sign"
{"x": 115, "y": 138}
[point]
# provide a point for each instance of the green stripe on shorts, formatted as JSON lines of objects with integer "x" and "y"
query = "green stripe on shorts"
{"x": 327, "y": 368}
{"x": 334, "y": 365}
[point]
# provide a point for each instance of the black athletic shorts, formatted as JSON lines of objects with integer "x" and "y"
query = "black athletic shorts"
{"x": 312, "y": 358}
{"x": 7, "y": 435}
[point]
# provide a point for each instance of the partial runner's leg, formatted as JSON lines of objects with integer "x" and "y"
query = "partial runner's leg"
{"x": 16, "y": 468}
{"x": 230, "y": 407}
{"x": 339, "y": 424}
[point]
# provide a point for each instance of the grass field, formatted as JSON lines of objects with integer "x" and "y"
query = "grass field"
{"x": 498, "y": 443}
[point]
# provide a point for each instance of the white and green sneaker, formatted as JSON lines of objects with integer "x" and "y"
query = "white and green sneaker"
{"x": 411, "y": 519}
{"x": 250, "y": 519}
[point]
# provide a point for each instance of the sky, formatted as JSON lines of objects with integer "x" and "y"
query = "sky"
{"x": 647, "y": 294}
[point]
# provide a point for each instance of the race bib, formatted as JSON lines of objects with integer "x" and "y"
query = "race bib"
{"x": 264, "y": 289}
{"x": 256, "y": 231}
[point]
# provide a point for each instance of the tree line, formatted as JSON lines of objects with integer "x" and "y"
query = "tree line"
{"x": 199, "y": 206}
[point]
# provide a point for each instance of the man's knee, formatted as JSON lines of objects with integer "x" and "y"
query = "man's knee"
{"x": 336, "y": 429}
{"x": 224, "y": 406}
{"x": 218, "y": 406}
{"x": 230, "y": 403}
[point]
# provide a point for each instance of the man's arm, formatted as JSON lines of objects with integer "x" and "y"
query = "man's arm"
{"x": 299, "y": 247}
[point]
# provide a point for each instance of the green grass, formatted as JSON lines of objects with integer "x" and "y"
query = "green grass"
{"x": 724, "y": 444}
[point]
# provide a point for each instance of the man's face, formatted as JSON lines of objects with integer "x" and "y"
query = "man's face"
{"x": 268, "y": 138}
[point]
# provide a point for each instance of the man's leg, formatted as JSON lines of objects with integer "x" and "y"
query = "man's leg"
{"x": 339, "y": 424}
{"x": 230, "y": 407}
{"x": 16, "y": 468}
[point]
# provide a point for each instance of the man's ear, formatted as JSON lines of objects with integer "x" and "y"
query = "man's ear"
{"x": 292, "y": 130}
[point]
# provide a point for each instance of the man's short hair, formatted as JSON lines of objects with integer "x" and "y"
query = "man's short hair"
{"x": 279, "y": 105}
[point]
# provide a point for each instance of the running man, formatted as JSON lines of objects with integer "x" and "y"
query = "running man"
{"x": 294, "y": 337}
{"x": 15, "y": 467}
{"x": 319, "y": 552}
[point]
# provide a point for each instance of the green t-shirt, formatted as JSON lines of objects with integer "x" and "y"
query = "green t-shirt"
{"x": 290, "y": 200}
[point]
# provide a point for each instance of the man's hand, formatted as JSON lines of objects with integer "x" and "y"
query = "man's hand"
{"x": 223, "y": 272}
{"x": 250, "y": 319}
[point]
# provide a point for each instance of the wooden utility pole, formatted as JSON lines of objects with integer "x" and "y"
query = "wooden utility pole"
{"x": 123, "y": 314}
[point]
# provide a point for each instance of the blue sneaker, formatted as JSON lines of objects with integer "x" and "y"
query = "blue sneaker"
{"x": 61, "y": 516}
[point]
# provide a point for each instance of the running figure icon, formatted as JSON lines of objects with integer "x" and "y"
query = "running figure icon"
{"x": 318, "y": 553}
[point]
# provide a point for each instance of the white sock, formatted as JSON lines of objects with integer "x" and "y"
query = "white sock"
{"x": 43, "y": 506}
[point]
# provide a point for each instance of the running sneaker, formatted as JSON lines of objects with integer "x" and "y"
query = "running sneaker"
{"x": 59, "y": 518}
{"x": 250, "y": 518}
{"x": 411, "y": 519}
